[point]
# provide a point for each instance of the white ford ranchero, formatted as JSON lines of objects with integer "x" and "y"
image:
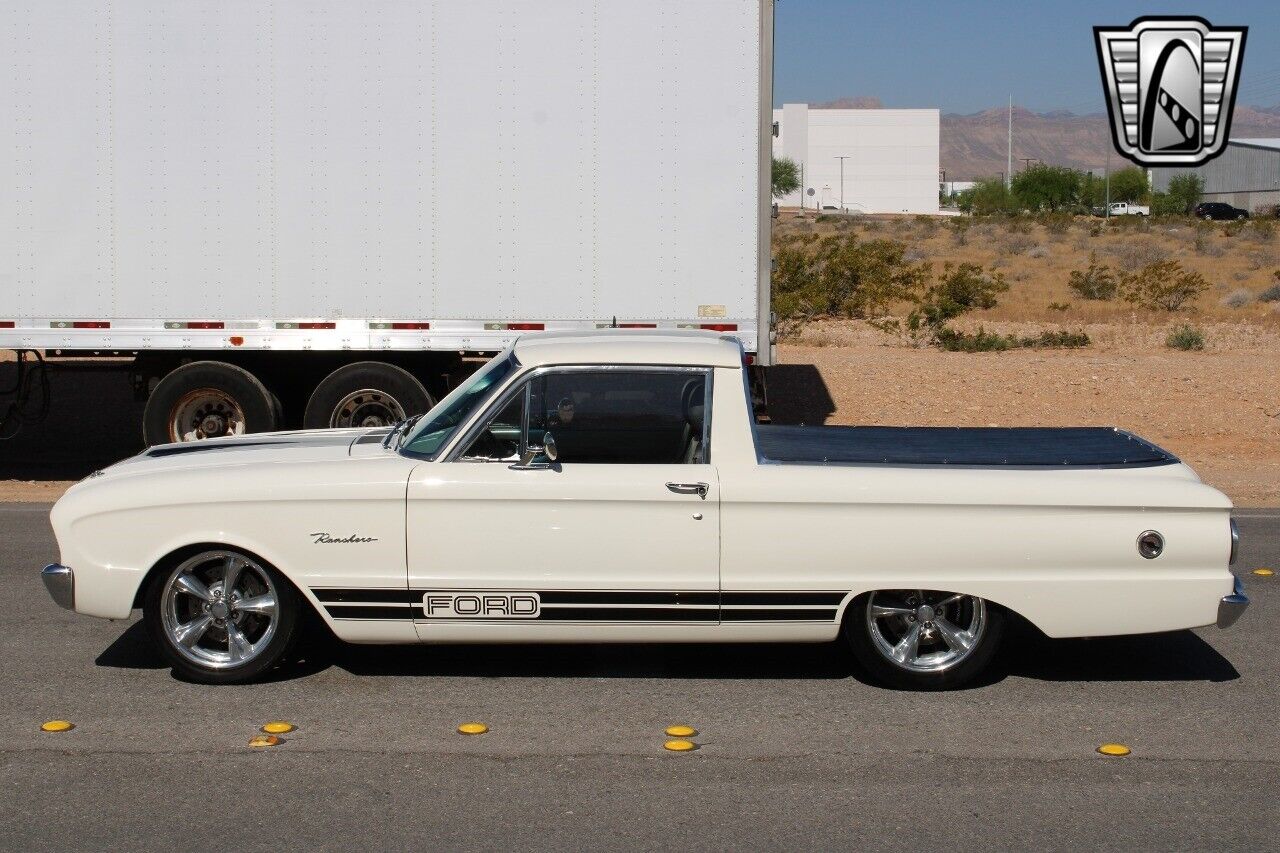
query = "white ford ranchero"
{"x": 613, "y": 487}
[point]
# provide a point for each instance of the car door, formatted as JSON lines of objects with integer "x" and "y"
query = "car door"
{"x": 617, "y": 536}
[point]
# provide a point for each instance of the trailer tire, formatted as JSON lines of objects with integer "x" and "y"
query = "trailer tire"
{"x": 207, "y": 399}
{"x": 365, "y": 394}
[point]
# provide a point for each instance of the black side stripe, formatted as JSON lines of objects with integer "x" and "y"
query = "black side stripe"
{"x": 627, "y": 614}
{"x": 831, "y": 599}
{"x": 793, "y": 615}
{"x": 364, "y": 612}
{"x": 557, "y": 597}
{"x": 359, "y": 596}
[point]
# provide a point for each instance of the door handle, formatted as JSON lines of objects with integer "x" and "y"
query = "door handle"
{"x": 699, "y": 489}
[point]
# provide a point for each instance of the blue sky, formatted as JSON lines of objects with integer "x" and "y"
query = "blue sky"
{"x": 968, "y": 56}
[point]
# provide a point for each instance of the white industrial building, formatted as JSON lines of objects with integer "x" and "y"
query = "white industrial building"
{"x": 890, "y": 158}
{"x": 1247, "y": 175}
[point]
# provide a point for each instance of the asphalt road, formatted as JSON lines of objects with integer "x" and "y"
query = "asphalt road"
{"x": 795, "y": 750}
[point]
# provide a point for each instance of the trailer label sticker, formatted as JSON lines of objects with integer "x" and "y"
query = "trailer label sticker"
{"x": 711, "y": 311}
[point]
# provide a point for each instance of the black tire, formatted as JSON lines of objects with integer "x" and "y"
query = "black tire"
{"x": 252, "y": 400}
{"x": 890, "y": 674}
{"x": 394, "y": 393}
{"x": 277, "y": 650}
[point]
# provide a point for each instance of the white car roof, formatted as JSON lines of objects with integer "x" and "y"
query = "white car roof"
{"x": 691, "y": 348}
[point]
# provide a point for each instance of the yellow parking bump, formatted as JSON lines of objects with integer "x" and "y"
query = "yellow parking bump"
{"x": 680, "y": 745}
{"x": 57, "y": 726}
{"x": 1114, "y": 749}
{"x": 681, "y": 731}
{"x": 472, "y": 729}
{"x": 1263, "y": 573}
{"x": 264, "y": 740}
{"x": 278, "y": 727}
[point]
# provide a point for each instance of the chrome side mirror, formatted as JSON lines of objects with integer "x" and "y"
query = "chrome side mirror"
{"x": 549, "y": 447}
{"x": 533, "y": 451}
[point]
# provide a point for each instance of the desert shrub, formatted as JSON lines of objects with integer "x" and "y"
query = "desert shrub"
{"x": 989, "y": 197}
{"x": 840, "y": 275}
{"x": 915, "y": 256}
{"x": 984, "y": 341}
{"x": 1060, "y": 339}
{"x": 1095, "y": 228}
{"x": 1055, "y": 223}
{"x": 1162, "y": 286}
{"x": 1258, "y": 260}
{"x": 1272, "y": 293}
{"x": 1018, "y": 225}
{"x": 1039, "y": 252}
{"x": 1238, "y": 298}
{"x": 1017, "y": 243}
{"x": 1185, "y": 338}
{"x": 926, "y": 225}
{"x": 1096, "y": 282}
{"x": 1059, "y": 306}
{"x": 959, "y": 226}
{"x": 1261, "y": 230}
{"x": 1234, "y": 229}
{"x": 1132, "y": 255}
{"x": 979, "y": 341}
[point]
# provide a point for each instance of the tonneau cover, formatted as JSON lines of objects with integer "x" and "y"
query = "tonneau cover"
{"x": 1104, "y": 447}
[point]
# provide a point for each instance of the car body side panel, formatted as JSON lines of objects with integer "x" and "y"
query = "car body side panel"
{"x": 112, "y": 530}
{"x": 1057, "y": 547}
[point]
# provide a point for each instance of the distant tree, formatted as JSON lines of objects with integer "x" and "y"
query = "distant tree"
{"x": 1128, "y": 184}
{"x": 1045, "y": 187}
{"x": 1185, "y": 191}
{"x": 1093, "y": 190}
{"x": 786, "y": 176}
{"x": 992, "y": 196}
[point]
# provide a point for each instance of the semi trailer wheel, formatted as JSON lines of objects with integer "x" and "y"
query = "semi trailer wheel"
{"x": 207, "y": 399}
{"x": 365, "y": 394}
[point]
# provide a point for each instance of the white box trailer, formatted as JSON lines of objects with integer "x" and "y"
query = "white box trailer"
{"x": 248, "y": 198}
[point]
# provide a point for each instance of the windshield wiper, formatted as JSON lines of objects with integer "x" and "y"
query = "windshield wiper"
{"x": 401, "y": 430}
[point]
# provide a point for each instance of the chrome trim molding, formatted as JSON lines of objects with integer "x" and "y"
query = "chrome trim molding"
{"x": 61, "y": 583}
{"x": 1232, "y": 606}
{"x": 1235, "y": 543}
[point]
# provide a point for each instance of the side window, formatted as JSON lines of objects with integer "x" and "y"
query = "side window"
{"x": 500, "y": 441}
{"x": 621, "y": 416}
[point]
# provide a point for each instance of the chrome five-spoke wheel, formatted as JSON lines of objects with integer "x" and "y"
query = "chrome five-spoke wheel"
{"x": 921, "y": 638}
{"x": 221, "y": 615}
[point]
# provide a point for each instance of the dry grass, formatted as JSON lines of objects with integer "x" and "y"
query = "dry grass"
{"x": 1038, "y": 262}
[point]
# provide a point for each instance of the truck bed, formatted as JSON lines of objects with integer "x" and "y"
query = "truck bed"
{"x": 1025, "y": 447}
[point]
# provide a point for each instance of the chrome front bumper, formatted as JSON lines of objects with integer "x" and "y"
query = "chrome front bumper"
{"x": 1231, "y": 606}
{"x": 61, "y": 583}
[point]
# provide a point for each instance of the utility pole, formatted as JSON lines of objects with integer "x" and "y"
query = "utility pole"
{"x": 1107, "y": 209}
{"x": 842, "y": 159}
{"x": 1027, "y": 161}
{"x": 1009, "y": 172}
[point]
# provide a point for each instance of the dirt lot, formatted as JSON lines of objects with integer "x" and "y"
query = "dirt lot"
{"x": 1216, "y": 409}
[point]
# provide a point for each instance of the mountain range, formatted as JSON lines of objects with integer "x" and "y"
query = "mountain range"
{"x": 974, "y": 145}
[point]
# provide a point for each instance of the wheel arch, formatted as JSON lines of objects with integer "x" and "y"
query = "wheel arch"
{"x": 175, "y": 556}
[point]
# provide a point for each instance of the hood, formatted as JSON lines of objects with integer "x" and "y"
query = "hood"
{"x": 295, "y": 446}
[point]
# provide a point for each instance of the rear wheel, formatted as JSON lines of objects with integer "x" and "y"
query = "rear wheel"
{"x": 366, "y": 394}
{"x": 207, "y": 399}
{"x": 922, "y": 639}
{"x": 221, "y": 617}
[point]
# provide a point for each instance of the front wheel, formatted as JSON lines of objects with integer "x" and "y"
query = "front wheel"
{"x": 922, "y": 639}
{"x": 221, "y": 616}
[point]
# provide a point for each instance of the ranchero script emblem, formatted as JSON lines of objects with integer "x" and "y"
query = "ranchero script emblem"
{"x": 326, "y": 539}
{"x": 1171, "y": 87}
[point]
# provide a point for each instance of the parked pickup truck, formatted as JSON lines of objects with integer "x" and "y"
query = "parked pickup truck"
{"x": 1124, "y": 208}
{"x": 612, "y": 486}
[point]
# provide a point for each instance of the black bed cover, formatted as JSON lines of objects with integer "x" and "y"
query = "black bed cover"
{"x": 1093, "y": 447}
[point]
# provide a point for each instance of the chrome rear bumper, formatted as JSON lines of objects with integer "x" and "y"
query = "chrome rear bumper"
{"x": 1231, "y": 606}
{"x": 61, "y": 583}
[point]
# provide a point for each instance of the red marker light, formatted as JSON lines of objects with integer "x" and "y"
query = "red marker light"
{"x": 720, "y": 327}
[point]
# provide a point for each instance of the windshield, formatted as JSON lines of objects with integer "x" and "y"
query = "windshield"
{"x": 438, "y": 425}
